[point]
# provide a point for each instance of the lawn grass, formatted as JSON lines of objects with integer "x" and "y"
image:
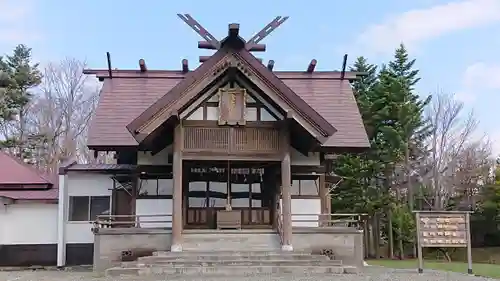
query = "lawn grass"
{"x": 487, "y": 270}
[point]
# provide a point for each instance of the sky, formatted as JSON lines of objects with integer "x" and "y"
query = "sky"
{"x": 454, "y": 42}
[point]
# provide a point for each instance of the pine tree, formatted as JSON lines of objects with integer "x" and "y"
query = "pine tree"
{"x": 20, "y": 75}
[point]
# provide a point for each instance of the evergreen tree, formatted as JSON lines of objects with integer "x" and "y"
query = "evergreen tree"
{"x": 20, "y": 75}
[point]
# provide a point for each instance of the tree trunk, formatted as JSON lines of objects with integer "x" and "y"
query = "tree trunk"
{"x": 411, "y": 196}
{"x": 366, "y": 238}
{"x": 376, "y": 241}
{"x": 390, "y": 234}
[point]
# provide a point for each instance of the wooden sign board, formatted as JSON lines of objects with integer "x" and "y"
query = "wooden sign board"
{"x": 443, "y": 229}
{"x": 232, "y": 106}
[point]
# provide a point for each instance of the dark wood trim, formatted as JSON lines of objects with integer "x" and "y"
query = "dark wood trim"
{"x": 249, "y": 124}
{"x": 208, "y": 156}
{"x": 35, "y": 201}
{"x": 340, "y": 150}
{"x": 162, "y": 74}
{"x": 28, "y": 255}
{"x": 306, "y": 197}
{"x": 307, "y": 169}
{"x": 154, "y": 197}
{"x": 203, "y": 75}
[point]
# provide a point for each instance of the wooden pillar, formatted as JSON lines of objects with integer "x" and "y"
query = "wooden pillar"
{"x": 177, "y": 192}
{"x": 286, "y": 183}
{"x": 323, "y": 199}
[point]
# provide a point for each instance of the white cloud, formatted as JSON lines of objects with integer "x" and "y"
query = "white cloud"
{"x": 478, "y": 78}
{"x": 483, "y": 75}
{"x": 14, "y": 22}
{"x": 416, "y": 26}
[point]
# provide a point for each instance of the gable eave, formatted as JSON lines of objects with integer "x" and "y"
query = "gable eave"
{"x": 298, "y": 105}
{"x": 169, "y": 105}
{"x": 165, "y": 103}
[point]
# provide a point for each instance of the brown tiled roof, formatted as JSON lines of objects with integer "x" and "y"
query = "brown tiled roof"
{"x": 15, "y": 172}
{"x": 46, "y": 194}
{"x": 21, "y": 181}
{"x": 131, "y": 92}
{"x": 250, "y": 61}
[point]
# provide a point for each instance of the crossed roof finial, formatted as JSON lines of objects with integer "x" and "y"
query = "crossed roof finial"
{"x": 212, "y": 43}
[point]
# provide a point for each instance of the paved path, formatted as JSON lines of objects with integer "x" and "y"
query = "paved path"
{"x": 369, "y": 274}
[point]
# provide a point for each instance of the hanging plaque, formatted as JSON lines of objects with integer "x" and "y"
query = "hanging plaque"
{"x": 232, "y": 106}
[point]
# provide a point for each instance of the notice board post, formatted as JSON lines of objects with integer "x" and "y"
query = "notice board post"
{"x": 443, "y": 229}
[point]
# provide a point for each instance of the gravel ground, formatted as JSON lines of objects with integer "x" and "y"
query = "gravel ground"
{"x": 370, "y": 273}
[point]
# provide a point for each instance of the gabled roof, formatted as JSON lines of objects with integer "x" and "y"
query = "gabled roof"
{"x": 120, "y": 103}
{"x": 21, "y": 181}
{"x": 16, "y": 172}
{"x": 210, "y": 70}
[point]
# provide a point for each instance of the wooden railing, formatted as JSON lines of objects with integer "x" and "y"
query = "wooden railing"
{"x": 236, "y": 140}
{"x": 137, "y": 221}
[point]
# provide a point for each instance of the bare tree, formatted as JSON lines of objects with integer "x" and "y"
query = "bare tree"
{"x": 451, "y": 137}
{"x": 62, "y": 111}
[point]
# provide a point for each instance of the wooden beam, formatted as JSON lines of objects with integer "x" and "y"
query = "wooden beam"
{"x": 256, "y": 47}
{"x": 205, "y": 45}
{"x": 260, "y": 59}
{"x": 142, "y": 65}
{"x": 108, "y": 55}
{"x": 196, "y": 26}
{"x": 270, "y": 65}
{"x": 344, "y": 65}
{"x": 233, "y": 30}
{"x": 263, "y": 33}
{"x": 312, "y": 66}
{"x": 185, "y": 65}
{"x": 204, "y": 58}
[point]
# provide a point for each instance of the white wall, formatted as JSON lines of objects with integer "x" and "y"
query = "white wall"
{"x": 306, "y": 207}
{"x": 85, "y": 184}
{"x": 154, "y": 207}
{"x": 28, "y": 223}
{"x": 298, "y": 158}
{"x": 160, "y": 158}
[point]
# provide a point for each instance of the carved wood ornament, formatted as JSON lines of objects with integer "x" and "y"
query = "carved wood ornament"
{"x": 232, "y": 104}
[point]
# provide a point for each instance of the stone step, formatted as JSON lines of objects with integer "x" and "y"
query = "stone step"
{"x": 215, "y": 257}
{"x": 238, "y": 263}
{"x": 235, "y": 241}
{"x": 228, "y": 253}
{"x": 229, "y": 270}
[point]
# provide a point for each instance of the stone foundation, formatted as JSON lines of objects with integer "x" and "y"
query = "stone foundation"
{"x": 111, "y": 243}
{"x": 344, "y": 243}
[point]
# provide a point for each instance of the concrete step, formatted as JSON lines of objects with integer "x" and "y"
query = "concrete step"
{"x": 216, "y": 257}
{"x": 229, "y": 253}
{"x": 238, "y": 263}
{"x": 228, "y": 270}
{"x": 230, "y": 241}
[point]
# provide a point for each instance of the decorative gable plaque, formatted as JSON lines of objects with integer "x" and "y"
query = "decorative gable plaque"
{"x": 232, "y": 106}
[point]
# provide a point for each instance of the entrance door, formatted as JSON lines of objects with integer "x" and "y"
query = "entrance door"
{"x": 211, "y": 186}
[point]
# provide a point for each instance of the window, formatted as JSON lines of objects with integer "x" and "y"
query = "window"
{"x": 155, "y": 187}
{"x": 87, "y": 208}
{"x": 254, "y": 111}
{"x": 305, "y": 186}
{"x": 212, "y": 113}
{"x": 265, "y": 115}
{"x": 251, "y": 114}
{"x": 196, "y": 115}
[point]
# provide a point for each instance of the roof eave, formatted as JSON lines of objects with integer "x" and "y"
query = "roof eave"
{"x": 312, "y": 116}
